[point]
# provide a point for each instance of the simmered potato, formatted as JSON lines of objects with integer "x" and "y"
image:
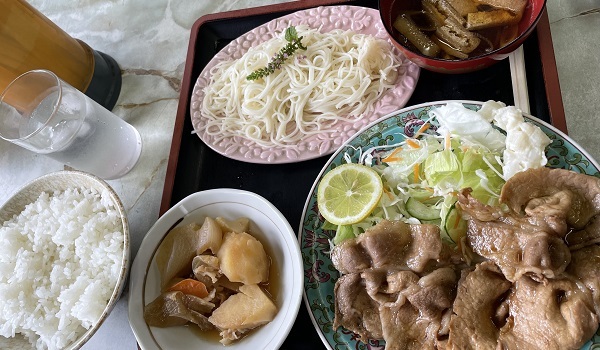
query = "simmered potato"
{"x": 243, "y": 259}
{"x": 248, "y": 309}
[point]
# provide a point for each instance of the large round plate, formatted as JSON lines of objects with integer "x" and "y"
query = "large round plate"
{"x": 320, "y": 275}
{"x": 360, "y": 20}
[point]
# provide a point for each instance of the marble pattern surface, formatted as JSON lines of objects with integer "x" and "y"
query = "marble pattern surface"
{"x": 149, "y": 39}
{"x": 575, "y": 29}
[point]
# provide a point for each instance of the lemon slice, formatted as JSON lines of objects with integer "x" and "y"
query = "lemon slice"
{"x": 348, "y": 193}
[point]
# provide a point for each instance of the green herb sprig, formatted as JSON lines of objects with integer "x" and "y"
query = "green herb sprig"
{"x": 294, "y": 44}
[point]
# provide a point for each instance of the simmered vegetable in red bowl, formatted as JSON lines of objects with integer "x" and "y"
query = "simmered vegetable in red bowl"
{"x": 458, "y": 36}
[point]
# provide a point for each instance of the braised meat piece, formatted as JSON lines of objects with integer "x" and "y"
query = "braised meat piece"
{"x": 479, "y": 294}
{"x": 556, "y": 314}
{"x": 176, "y": 309}
{"x": 392, "y": 245}
{"x": 543, "y": 182}
{"x": 354, "y": 308}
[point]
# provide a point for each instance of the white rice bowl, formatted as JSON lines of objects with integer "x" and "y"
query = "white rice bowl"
{"x": 64, "y": 251}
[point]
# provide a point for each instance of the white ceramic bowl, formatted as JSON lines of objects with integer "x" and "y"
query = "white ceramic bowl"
{"x": 60, "y": 181}
{"x": 269, "y": 226}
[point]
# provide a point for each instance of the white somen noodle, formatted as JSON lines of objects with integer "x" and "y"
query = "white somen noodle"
{"x": 338, "y": 77}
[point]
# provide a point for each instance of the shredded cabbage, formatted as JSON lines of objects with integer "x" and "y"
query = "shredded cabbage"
{"x": 525, "y": 142}
{"x": 476, "y": 149}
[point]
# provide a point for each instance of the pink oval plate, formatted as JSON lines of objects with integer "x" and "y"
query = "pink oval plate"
{"x": 360, "y": 20}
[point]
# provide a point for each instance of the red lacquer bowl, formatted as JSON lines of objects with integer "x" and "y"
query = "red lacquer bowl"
{"x": 389, "y": 9}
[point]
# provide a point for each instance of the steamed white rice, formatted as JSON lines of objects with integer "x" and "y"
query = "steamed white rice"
{"x": 60, "y": 260}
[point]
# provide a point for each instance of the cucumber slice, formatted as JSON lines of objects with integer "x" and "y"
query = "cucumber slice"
{"x": 421, "y": 211}
{"x": 420, "y": 194}
{"x": 454, "y": 225}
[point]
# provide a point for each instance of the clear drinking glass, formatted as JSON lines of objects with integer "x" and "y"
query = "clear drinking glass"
{"x": 42, "y": 113}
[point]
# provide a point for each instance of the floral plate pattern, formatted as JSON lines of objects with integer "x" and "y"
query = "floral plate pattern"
{"x": 358, "y": 19}
{"x": 320, "y": 275}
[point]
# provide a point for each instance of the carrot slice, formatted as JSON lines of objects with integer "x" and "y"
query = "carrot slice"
{"x": 421, "y": 130}
{"x": 416, "y": 172}
{"x": 190, "y": 286}
{"x": 392, "y": 156}
{"x": 447, "y": 143}
{"x": 413, "y": 143}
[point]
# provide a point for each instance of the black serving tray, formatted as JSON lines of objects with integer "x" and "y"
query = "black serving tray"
{"x": 193, "y": 166}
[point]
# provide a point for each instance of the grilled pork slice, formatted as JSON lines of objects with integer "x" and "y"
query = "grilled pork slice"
{"x": 393, "y": 245}
{"x": 355, "y": 310}
{"x": 474, "y": 324}
{"x": 518, "y": 244}
{"x": 525, "y": 186}
{"x": 555, "y": 315}
{"x": 585, "y": 266}
{"x": 519, "y": 250}
{"x": 408, "y": 311}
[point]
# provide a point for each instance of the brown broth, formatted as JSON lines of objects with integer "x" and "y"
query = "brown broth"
{"x": 273, "y": 285}
{"x": 214, "y": 335}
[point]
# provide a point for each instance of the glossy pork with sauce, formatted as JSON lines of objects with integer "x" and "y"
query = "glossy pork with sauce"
{"x": 517, "y": 244}
{"x": 403, "y": 288}
{"x": 534, "y": 281}
{"x": 477, "y": 317}
{"x": 394, "y": 245}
